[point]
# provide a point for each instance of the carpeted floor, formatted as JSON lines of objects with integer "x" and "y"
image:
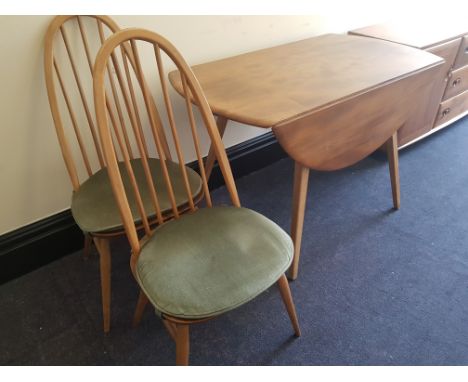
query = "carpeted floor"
{"x": 376, "y": 287}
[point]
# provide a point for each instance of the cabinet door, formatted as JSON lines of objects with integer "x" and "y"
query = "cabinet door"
{"x": 462, "y": 57}
{"x": 422, "y": 119}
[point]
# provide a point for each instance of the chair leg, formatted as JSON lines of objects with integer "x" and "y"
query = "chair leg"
{"x": 289, "y": 303}
{"x": 301, "y": 182}
{"x": 221, "y": 123}
{"x": 140, "y": 308}
{"x": 182, "y": 344}
{"x": 88, "y": 241}
{"x": 392, "y": 155}
{"x": 103, "y": 247}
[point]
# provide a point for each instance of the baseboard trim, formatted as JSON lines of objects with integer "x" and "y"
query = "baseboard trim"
{"x": 37, "y": 244}
{"x": 247, "y": 157}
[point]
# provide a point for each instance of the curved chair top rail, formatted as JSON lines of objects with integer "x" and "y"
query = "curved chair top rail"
{"x": 113, "y": 145}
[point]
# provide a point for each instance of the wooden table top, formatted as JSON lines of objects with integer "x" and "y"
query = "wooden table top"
{"x": 271, "y": 86}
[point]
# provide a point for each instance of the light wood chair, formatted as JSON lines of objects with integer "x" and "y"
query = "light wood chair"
{"x": 71, "y": 44}
{"x": 212, "y": 259}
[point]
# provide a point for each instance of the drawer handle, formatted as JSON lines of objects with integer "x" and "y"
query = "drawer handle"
{"x": 445, "y": 112}
{"x": 456, "y": 82}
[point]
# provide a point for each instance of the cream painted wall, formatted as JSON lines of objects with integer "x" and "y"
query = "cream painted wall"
{"x": 34, "y": 180}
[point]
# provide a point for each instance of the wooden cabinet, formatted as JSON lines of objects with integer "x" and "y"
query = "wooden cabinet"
{"x": 448, "y": 101}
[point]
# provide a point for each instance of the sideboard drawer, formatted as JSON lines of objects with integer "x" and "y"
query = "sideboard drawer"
{"x": 451, "y": 108}
{"x": 457, "y": 83}
{"x": 462, "y": 57}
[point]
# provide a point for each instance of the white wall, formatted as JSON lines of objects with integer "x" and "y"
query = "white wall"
{"x": 34, "y": 182}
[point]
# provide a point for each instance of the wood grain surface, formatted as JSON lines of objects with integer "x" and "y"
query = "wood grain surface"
{"x": 270, "y": 86}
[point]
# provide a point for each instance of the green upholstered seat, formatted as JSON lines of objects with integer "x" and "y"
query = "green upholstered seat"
{"x": 93, "y": 205}
{"x": 212, "y": 261}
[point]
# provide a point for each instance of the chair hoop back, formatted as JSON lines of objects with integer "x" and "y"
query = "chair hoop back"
{"x": 71, "y": 44}
{"x": 145, "y": 120}
{"x": 62, "y": 34}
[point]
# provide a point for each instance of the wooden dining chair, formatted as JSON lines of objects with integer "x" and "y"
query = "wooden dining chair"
{"x": 214, "y": 258}
{"x": 71, "y": 44}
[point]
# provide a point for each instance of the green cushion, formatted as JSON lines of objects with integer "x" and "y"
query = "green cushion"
{"x": 212, "y": 261}
{"x": 93, "y": 205}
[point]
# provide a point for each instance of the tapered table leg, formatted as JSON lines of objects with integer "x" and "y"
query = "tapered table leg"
{"x": 301, "y": 180}
{"x": 392, "y": 155}
{"x": 289, "y": 303}
{"x": 221, "y": 122}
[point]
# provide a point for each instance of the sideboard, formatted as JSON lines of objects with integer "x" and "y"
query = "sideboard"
{"x": 449, "y": 96}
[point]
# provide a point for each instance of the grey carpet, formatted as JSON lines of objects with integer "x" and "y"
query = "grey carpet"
{"x": 376, "y": 287}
